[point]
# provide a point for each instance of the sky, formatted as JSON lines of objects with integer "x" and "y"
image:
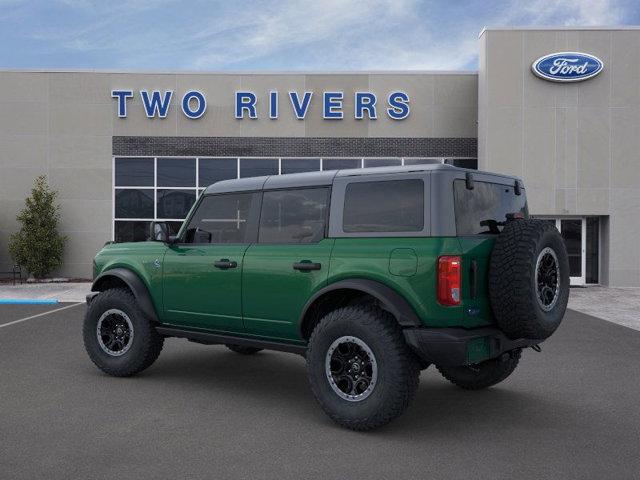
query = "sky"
{"x": 280, "y": 35}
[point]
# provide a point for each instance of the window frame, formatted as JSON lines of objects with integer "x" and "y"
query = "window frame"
{"x": 336, "y": 228}
{"x": 325, "y": 230}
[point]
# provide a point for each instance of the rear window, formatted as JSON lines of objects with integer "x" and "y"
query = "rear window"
{"x": 484, "y": 209}
{"x": 384, "y": 206}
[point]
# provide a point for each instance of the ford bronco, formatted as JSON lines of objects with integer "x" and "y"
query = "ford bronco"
{"x": 371, "y": 274}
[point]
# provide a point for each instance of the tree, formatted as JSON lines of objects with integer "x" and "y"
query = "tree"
{"x": 38, "y": 246}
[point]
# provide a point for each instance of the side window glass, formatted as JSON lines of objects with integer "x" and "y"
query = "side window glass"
{"x": 228, "y": 218}
{"x": 384, "y": 206}
{"x": 294, "y": 216}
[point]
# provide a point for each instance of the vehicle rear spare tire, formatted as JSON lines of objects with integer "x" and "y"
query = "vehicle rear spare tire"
{"x": 529, "y": 279}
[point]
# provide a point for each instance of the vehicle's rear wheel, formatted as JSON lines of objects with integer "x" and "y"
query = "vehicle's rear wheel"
{"x": 482, "y": 375}
{"x": 118, "y": 337}
{"x": 242, "y": 349}
{"x": 361, "y": 371}
{"x": 529, "y": 279}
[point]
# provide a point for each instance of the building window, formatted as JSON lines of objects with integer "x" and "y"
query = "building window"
{"x": 165, "y": 188}
{"x": 423, "y": 161}
{"x": 340, "y": 163}
{"x": 471, "y": 163}
{"x": 134, "y": 172}
{"x": 299, "y": 165}
{"x": 212, "y": 170}
{"x": 176, "y": 172}
{"x": 381, "y": 162}
{"x": 258, "y": 167}
{"x": 174, "y": 204}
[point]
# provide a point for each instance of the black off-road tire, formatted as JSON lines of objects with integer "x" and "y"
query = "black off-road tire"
{"x": 145, "y": 345}
{"x": 241, "y": 349}
{"x": 482, "y": 375}
{"x": 398, "y": 369}
{"x": 513, "y": 290}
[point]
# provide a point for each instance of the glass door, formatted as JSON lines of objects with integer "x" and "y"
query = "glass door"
{"x": 574, "y": 235}
{"x": 582, "y": 239}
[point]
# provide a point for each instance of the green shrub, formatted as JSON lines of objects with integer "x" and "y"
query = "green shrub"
{"x": 37, "y": 246}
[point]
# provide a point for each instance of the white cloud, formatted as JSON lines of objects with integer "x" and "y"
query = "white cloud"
{"x": 339, "y": 25}
{"x": 350, "y": 34}
{"x": 305, "y": 34}
{"x": 569, "y": 12}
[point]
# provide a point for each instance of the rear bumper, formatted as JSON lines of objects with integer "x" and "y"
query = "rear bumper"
{"x": 458, "y": 346}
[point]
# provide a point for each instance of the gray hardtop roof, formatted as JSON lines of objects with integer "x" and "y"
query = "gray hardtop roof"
{"x": 326, "y": 177}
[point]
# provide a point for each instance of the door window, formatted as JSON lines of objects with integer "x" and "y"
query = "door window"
{"x": 229, "y": 218}
{"x": 294, "y": 216}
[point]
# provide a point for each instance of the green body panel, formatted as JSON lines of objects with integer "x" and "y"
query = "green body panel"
{"x": 370, "y": 258}
{"x": 196, "y": 293}
{"x": 477, "y": 310}
{"x": 388, "y": 261}
{"x": 273, "y": 293}
{"x": 140, "y": 258}
{"x": 403, "y": 262}
{"x": 264, "y": 296}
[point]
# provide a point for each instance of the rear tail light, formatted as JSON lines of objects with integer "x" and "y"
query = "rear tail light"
{"x": 449, "y": 280}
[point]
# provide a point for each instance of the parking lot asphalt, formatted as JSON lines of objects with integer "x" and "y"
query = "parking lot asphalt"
{"x": 571, "y": 411}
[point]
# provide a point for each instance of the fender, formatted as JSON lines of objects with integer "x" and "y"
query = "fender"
{"x": 390, "y": 300}
{"x": 135, "y": 284}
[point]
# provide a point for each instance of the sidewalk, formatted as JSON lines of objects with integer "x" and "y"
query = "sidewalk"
{"x": 63, "y": 292}
{"x": 614, "y": 304}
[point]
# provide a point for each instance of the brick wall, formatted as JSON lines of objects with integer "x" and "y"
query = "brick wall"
{"x": 294, "y": 146}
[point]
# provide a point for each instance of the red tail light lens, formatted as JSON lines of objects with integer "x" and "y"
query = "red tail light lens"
{"x": 449, "y": 280}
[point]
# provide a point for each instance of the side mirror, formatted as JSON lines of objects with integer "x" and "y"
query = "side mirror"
{"x": 159, "y": 232}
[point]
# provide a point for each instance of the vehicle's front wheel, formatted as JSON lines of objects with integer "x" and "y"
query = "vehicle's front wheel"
{"x": 361, "y": 371}
{"x": 482, "y": 375}
{"x": 118, "y": 337}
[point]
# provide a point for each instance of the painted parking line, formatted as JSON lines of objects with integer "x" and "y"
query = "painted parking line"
{"x": 28, "y": 301}
{"x": 40, "y": 315}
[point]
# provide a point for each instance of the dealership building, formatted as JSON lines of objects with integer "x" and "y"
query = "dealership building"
{"x": 126, "y": 148}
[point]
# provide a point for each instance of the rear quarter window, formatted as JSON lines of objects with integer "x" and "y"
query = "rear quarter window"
{"x": 484, "y": 209}
{"x": 384, "y": 206}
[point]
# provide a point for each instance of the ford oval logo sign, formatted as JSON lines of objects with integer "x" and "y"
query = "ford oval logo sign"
{"x": 567, "y": 66}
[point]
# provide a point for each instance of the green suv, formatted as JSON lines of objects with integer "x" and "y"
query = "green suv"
{"x": 371, "y": 274}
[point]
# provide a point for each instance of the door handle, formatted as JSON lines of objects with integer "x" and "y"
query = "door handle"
{"x": 306, "y": 266}
{"x": 225, "y": 263}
